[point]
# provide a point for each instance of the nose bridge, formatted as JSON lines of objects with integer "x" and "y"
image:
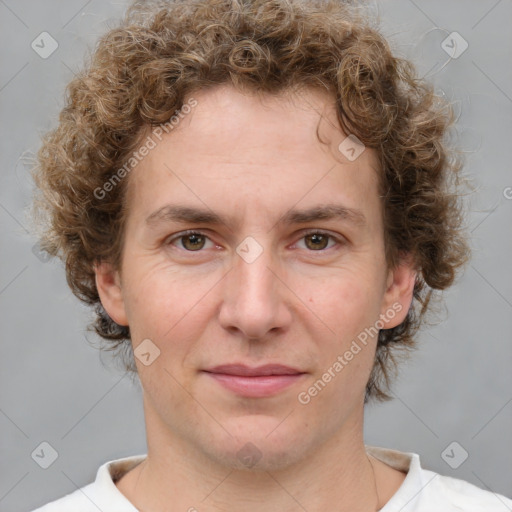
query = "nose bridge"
{"x": 252, "y": 300}
{"x": 255, "y": 281}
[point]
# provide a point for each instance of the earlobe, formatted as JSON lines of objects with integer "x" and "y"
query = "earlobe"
{"x": 399, "y": 293}
{"x": 109, "y": 289}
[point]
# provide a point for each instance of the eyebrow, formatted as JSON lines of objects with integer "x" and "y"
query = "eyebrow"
{"x": 193, "y": 215}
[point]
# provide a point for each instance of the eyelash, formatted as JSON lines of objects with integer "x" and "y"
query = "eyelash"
{"x": 189, "y": 232}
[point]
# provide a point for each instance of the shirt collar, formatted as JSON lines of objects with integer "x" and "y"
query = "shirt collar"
{"x": 407, "y": 462}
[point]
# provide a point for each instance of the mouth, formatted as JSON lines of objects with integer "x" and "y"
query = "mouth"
{"x": 255, "y": 382}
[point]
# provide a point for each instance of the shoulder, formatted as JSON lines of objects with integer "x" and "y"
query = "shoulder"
{"x": 464, "y": 496}
{"x": 78, "y": 501}
{"x": 423, "y": 490}
{"x": 102, "y": 494}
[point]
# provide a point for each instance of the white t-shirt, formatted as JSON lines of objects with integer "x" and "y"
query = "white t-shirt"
{"x": 421, "y": 491}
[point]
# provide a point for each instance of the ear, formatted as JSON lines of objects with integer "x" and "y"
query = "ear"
{"x": 108, "y": 284}
{"x": 399, "y": 292}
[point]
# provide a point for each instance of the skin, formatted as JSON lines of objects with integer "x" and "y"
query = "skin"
{"x": 253, "y": 158}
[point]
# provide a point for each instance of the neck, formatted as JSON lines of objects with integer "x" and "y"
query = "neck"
{"x": 337, "y": 471}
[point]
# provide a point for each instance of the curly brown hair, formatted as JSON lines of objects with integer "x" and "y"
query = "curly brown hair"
{"x": 161, "y": 52}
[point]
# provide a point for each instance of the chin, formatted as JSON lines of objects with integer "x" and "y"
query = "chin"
{"x": 257, "y": 456}
{"x": 259, "y": 444}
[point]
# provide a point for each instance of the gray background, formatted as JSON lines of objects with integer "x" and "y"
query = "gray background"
{"x": 54, "y": 387}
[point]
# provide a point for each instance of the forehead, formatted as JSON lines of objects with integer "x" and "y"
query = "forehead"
{"x": 257, "y": 146}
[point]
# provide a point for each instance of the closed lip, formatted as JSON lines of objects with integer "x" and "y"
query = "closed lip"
{"x": 243, "y": 370}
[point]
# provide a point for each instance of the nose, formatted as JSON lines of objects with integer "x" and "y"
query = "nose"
{"x": 255, "y": 297}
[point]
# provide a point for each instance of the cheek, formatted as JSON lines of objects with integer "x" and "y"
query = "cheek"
{"x": 347, "y": 355}
{"x": 346, "y": 302}
{"x": 172, "y": 309}
{"x": 349, "y": 306}
{"x": 166, "y": 308}
{"x": 148, "y": 306}
{"x": 158, "y": 298}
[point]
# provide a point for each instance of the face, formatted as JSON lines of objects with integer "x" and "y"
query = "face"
{"x": 261, "y": 279}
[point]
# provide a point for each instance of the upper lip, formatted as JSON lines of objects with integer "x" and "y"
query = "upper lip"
{"x": 247, "y": 371}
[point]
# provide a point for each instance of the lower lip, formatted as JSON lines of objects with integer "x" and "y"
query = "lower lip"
{"x": 260, "y": 386}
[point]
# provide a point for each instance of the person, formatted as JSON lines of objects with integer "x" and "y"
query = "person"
{"x": 259, "y": 201}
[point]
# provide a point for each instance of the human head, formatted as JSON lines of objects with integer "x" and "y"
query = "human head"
{"x": 141, "y": 74}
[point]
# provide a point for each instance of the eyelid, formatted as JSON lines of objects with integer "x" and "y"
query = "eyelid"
{"x": 339, "y": 239}
{"x": 173, "y": 238}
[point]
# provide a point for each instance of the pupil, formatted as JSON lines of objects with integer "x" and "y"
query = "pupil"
{"x": 193, "y": 240}
{"x": 318, "y": 240}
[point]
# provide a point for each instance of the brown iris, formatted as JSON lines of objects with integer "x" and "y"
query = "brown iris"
{"x": 196, "y": 242}
{"x": 319, "y": 241}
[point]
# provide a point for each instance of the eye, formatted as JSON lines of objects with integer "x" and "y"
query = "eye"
{"x": 192, "y": 241}
{"x": 317, "y": 241}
